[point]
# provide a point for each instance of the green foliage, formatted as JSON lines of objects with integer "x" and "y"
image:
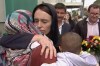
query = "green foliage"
{"x": 97, "y": 2}
{"x": 74, "y": 13}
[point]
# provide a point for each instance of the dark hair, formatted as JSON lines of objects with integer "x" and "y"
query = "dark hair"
{"x": 60, "y": 6}
{"x": 71, "y": 42}
{"x": 71, "y": 22}
{"x": 93, "y": 6}
{"x": 50, "y": 9}
{"x": 70, "y": 18}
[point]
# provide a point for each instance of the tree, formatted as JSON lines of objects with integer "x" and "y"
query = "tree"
{"x": 74, "y": 13}
{"x": 97, "y": 2}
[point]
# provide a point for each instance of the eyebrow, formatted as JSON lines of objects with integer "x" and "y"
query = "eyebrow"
{"x": 41, "y": 19}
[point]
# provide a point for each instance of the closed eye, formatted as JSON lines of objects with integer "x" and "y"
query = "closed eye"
{"x": 44, "y": 20}
{"x": 36, "y": 20}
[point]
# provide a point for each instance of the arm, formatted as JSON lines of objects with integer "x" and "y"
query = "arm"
{"x": 37, "y": 59}
{"x": 45, "y": 42}
{"x": 62, "y": 60}
{"x": 21, "y": 41}
{"x": 16, "y": 41}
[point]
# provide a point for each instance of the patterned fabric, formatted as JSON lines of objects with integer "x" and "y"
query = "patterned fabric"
{"x": 2, "y": 56}
{"x": 20, "y": 21}
{"x": 21, "y": 60}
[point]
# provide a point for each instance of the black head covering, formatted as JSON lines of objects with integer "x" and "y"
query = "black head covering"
{"x": 53, "y": 34}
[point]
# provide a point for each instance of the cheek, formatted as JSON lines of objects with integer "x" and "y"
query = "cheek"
{"x": 48, "y": 28}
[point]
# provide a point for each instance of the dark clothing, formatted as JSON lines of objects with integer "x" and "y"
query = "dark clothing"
{"x": 16, "y": 41}
{"x": 65, "y": 28}
{"x": 37, "y": 59}
{"x": 21, "y": 41}
{"x": 2, "y": 56}
{"x": 72, "y": 24}
{"x": 81, "y": 28}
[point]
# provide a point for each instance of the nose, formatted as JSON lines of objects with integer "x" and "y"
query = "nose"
{"x": 58, "y": 14}
{"x": 39, "y": 25}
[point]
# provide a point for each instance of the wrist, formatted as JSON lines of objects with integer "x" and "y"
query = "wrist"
{"x": 36, "y": 37}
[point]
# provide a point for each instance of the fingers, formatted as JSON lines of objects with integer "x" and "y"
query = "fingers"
{"x": 47, "y": 47}
{"x": 52, "y": 50}
{"x": 43, "y": 49}
{"x": 49, "y": 50}
{"x": 55, "y": 53}
{"x": 47, "y": 53}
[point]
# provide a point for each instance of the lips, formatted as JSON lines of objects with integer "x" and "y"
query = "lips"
{"x": 42, "y": 31}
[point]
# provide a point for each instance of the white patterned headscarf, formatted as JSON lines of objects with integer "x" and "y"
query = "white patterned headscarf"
{"x": 20, "y": 21}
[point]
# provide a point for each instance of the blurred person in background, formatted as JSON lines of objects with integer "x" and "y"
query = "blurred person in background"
{"x": 61, "y": 12}
{"x": 68, "y": 19}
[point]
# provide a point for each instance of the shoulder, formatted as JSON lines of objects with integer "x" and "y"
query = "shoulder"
{"x": 89, "y": 58}
{"x": 66, "y": 24}
{"x": 82, "y": 22}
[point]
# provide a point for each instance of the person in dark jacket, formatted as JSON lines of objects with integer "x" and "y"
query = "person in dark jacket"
{"x": 68, "y": 19}
{"x": 61, "y": 11}
{"x": 89, "y": 26}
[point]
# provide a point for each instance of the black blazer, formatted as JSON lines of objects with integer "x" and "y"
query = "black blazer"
{"x": 81, "y": 28}
{"x": 65, "y": 28}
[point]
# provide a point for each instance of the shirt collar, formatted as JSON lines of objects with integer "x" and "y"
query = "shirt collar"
{"x": 61, "y": 25}
{"x": 92, "y": 23}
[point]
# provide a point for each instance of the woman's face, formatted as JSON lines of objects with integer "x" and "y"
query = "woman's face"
{"x": 43, "y": 21}
{"x": 66, "y": 17}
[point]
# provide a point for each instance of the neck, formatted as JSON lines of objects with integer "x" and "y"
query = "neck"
{"x": 91, "y": 21}
{"x": 59, "y": 24}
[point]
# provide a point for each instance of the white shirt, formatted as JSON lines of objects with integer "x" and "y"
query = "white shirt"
{"x": 60, "y": 27}
{"x": 71, "y": 59}
{"x": 92, "y": 29}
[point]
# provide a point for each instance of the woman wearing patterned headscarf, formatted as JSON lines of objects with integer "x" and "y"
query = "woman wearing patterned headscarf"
{"x": 20, "y": 23}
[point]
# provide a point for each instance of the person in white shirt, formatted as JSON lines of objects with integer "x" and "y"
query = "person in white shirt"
{"x": 61, "y": 12}
{"x": 71, "y": 54}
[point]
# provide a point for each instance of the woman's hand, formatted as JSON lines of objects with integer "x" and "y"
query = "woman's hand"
{"x": 47, "y": 45}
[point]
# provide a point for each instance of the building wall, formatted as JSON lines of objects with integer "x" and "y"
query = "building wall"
{"x": 46, "y": 1}
{"x": 12, "y": 5}
{"x": 2, "y": 11}
{"x": 7, "y": 6}
{"x": 1, "y": 27}
{"x": 2, "y": 15}
{"x": 60, "y": 0}
{"x": 53, "y": 2}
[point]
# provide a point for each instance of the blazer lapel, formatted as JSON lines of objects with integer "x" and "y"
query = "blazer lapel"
{"x": 99, "y": 27}
{"x": 85, "y": 29}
